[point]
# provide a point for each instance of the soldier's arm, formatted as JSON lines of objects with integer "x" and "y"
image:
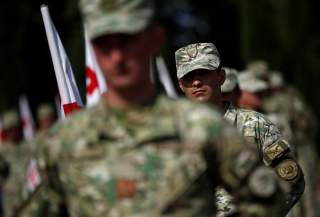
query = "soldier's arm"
{"x": 277, "y": 154}
{"x": 224, "y": 151}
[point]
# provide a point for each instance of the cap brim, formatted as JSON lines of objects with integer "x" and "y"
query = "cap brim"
{"x": 195, "y": 67}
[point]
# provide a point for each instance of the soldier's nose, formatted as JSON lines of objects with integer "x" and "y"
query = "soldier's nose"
{"x": 117, "y": 55}
{"x": 196, "y": 83}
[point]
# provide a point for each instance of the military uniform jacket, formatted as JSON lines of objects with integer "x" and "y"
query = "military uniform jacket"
{"x": 281, "y": 190}
{"x": 160, "y": 159}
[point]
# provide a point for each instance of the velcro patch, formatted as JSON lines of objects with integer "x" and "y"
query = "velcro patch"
{"x": 275, "y": 151}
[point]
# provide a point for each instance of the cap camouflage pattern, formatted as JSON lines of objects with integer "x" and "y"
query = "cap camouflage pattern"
{"x": 196, "y": 56}
{"x": 231, "y": 80}
{"x": 276, "y": 79}
{"x": 10, "y": 119}
{"x": 259, "y": 68}
{"x": 249, "y": 82}
{"x": 116, "y": 16}
{"x": 45, "y": 110}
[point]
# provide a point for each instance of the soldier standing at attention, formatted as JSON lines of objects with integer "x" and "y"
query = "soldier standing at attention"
{"x": 15, "y": 155}
{"x": 137, "y": 153}
{"x": 45, "y": 116}
{"x": 200, "y": 75}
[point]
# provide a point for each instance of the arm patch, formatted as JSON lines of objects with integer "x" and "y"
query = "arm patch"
{"x": 275, "y": 151}
{"x": 288, "y": 170}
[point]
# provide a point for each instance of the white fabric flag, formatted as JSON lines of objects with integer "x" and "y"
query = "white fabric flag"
{"x": 95, "y": 83}
{"x": 33, "y": 175}
{"x": 68, "y": 90}
{"x": 26, "y": 118}
{"x": 164, "y": 78}
{"x": 59, "y": 108}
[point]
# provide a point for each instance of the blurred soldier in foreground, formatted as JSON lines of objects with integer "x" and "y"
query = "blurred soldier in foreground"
{"x": 137, "y": 153}
{"x": 45, "y": 116}
{"x": 200, "y": 78}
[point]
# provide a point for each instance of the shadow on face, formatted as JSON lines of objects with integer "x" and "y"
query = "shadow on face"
{"x": 203, "y": 85}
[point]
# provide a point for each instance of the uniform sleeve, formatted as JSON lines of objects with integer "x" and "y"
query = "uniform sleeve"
{"x": 229, "y": 160}
{"x": 278, "y": 155}
{"x": 235, "y": 159}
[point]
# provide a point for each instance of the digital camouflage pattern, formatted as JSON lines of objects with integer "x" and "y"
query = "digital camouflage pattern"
{"x": 116, "y": 16}
{"x": 196, "y": 56}
{"x": 14, "y": 190}
{"x": 282, "y": 191}
{"x": 10, "y": 119}
{"x": 142, "y": 161}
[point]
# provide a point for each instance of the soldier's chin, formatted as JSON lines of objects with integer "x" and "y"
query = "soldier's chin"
{"x": 202, "y": 98}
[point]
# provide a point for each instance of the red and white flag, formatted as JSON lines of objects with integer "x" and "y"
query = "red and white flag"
{"x": 68, "y": 90}
{"x": 95, "y": 83}
{"x": 26, "y": 118}
{"x": 59, "y": 108}
{"x": 165, "y": 78}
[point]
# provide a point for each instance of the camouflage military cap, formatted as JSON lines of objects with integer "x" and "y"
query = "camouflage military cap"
{"x": 259, "y": 68}
{"x": 250, "y": 83}
{"x": 10, "y": 119}
{"x": 196, "y": 56}
{"x": 231, "y": 80}
{"x": 116, "y": 16}
{"x": 45, "y": 110}
{"x": 276, "y": 79}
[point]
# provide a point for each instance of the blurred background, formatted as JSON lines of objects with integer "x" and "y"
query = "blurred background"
{"x": 285, "y": 33}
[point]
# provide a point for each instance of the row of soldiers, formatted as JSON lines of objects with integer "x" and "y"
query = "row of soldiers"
{"x": 12, "y": 124}
{"x": 140, "y": 153}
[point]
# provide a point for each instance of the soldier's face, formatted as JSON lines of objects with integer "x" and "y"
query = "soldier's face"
{"x": 203, "y": 85}
{"x": 124, "y": 59}
{"x": 250, "y": 101}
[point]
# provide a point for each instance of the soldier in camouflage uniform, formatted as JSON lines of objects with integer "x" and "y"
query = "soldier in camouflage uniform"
{"x": 137, "y": 153}
{"x": 200, "y": 78}
{"x": 15, "y": 155}
{"x": 45, "y": 116}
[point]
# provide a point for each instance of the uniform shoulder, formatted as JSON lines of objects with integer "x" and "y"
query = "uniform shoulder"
{"x": 76, "y": 121}
{"x": 251, "y": 114}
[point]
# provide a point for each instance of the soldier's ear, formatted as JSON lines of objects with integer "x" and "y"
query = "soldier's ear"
{"x": 181, "y": 86}
{"x": 158, "y": 35}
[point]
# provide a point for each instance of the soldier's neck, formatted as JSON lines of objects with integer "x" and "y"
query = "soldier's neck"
{"x": 126, "y": 99}
{"x": 219, "y": 104}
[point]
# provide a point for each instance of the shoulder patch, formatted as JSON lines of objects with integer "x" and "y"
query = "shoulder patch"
{"x": 288, "y": 169}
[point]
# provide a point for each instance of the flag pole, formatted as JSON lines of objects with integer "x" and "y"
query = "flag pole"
{"x": 57, "y": 64}
{"x": 164, "y": 78}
